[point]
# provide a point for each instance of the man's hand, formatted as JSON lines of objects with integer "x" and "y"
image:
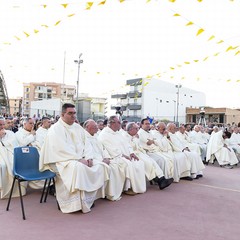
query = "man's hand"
{"x": 106, "y": 160}
{"x": 134, "y": 157}
{"x": 88, "y": 162}
{"x": 150, "y": 142}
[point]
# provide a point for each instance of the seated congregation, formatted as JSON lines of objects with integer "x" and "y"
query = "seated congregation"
{"x": 95, "y": 161}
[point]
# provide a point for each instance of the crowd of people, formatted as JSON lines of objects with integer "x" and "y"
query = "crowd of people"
{"x": 108, "y": 158}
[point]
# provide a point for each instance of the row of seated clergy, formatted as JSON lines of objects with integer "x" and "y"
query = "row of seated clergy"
{"x": 137, "y": 168}
{"x": 219, "y": 148}
{"x": 8, "y": 142}
{"x": 25, "y": 136}
{"x": 67, "y": 152}
{"x": 85, "y": 171}
{"x": 162, "y": 143}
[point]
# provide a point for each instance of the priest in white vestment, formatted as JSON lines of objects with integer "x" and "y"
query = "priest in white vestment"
{"x": 26, "y": 136}
{"x": 117, "y": 167}
{"x": 198, "y": 138}
{"x": 152, "y": 169}
{"x": 217, "y": 148}
{"x": 133, "y": 179}
{"x": 67, "y": 152}
{"x": 234, "y": 141}
{"x": 185, "y": 138}
{"x": 182, "y": 165}
{"x": 8, "y": 143}
{"x": 147, "y": 142}
{"x": 178, "y": 146}
{"x": 42, "y": 131}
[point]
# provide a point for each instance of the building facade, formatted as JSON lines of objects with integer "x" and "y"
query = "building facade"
{"x": 44, "y": 91}
{"x": 213, "y": 115}
{"x": 15, "y": 106}
{"x": 157, "y": 99}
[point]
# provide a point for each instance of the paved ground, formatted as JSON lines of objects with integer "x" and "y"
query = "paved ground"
{"x": 206, "y": 209}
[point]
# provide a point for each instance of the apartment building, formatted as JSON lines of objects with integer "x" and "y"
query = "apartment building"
{"x": 157, "y": 99}
{"x": 34, "y": 91}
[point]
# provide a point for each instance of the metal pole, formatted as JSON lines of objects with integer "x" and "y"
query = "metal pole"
{"x": 177, "y": 86}
{"x": 79, "y": 61}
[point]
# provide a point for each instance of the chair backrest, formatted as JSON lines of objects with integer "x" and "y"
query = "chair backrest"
{"x": 26, "y": 159}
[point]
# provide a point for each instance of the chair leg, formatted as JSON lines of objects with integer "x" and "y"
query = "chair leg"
{"x": 46, "y": 195}
{"x": 45, "y": 183}
{"x": 21, "y": 199}
{"x": 10, "y": 196}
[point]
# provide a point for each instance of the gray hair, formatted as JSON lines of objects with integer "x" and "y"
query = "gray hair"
{"x": 129, "y": 126}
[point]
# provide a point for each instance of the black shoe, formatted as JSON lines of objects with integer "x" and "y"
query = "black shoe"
{"x": 52, "y": 190}
{"x": 205, "y": 162}
{"x": 186, "y": 178}
{"x": 163, "y": 182}
{"x": 199, "y": 175}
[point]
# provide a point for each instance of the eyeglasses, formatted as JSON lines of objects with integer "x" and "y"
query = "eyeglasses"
{"x": 71, "y": 113}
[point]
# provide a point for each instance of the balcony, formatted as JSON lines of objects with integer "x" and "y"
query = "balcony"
{"x": 123, "y": 108}
{"x": 119, "y": 95}
{"x": 135, "y": 94}
{"x": 134, "y": 82}
{"x": 134, "y": 106}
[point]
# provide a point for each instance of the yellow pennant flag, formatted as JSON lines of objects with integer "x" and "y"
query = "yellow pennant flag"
{"x": 229, "y": 80}
{"x": 212, "y": 37}
{"x": 237, "y": 52}
{"x": 189, "y": 23}
{"x": 238, "y": 80}
{"x": 221, "y": 41}
{"x": 195, "y": 60}
{"x": 148, "y": 76}
{"x": 199, "y": 0}
{"x": 44, "y": 5}
{"x": 71, "y": 15}
{"x": 146, "y": 83}
{"x": 172, "y": 0}
{"x": 121, "y": 1}
{"x": 7, "y": 43}
{"x": 205, "y": 58}
{"x": 57, "y": 23}
{"x": 172, "y": 68}
{"x": 229, "y": 48}
{"x": 44, "y": 25}
{"x": 89, "y": 5}
{"x": 148, "y": 1}
{"x": 64, "y": 5}
{"x": 201, "y": 30}
{"x": 17, "y": 38}
{"x": 102, "y": 3}
{"x": 233, "y": 48}
{"x": 216, "y": 54}
{"x": 176, "y": 15}
{"x": 187, "y": 62}
{"x": 172, "y": 77}
{"x": 27, "y": 35}
{"x": 36, "y": 31}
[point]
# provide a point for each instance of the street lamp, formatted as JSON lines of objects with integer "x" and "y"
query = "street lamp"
{"x": 174, "y": 111}
{"x": 157, "y": 108}
{"x": 178, "y": 86}
{"x": 79, "y": 61}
